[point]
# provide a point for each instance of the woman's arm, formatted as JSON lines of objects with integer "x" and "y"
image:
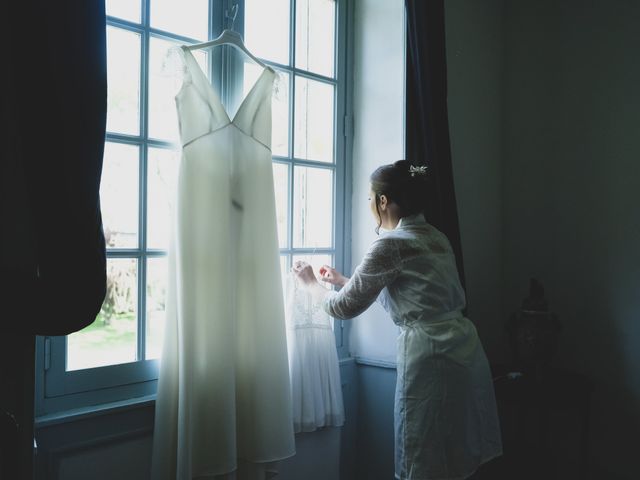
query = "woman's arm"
{"x": 379, "y": 268}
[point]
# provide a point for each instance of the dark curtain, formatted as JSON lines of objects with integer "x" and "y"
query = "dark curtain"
{"x": 53, "y": 106}
{"x": 427, "y": 124}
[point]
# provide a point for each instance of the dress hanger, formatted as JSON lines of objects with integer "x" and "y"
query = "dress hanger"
{"x": 229, "y": 37}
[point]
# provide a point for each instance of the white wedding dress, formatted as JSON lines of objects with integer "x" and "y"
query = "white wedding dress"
{"x": 316, "y": 390}
{"x": 223, "y": 407}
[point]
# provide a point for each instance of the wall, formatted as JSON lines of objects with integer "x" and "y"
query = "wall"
{"x": 475, "y": 71}
{"x": 571, "y": 178}
{"x": 378, "y": 105}
{"x": 374, "y": 447}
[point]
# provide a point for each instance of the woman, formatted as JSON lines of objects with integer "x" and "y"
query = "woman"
{"x": 445, "y": 417}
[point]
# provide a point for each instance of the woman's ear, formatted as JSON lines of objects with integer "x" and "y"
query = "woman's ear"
{"x": 383, "y": 202}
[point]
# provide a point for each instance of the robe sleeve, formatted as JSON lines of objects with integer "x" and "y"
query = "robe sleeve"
{"x": 379, "y": 268}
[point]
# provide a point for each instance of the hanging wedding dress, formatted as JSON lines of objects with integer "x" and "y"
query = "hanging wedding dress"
{"x": 313, "y": 362}
{"x": 223, "y": 402}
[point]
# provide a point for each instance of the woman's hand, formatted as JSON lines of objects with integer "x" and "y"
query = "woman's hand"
{"x": 332, "y": 276}
{"x": 304, "y": 272}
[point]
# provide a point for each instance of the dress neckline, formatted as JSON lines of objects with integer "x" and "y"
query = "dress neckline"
{"x": 214, "y": 95}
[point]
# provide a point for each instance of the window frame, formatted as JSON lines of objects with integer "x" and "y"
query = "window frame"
{"x": 58, "y": 390}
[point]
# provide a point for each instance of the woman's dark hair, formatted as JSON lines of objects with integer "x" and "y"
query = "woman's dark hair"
{"x": 403, "y": 184}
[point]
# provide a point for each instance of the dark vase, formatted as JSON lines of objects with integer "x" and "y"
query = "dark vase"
{"x": 533, "y": 333}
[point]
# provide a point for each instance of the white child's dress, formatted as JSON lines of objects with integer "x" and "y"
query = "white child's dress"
{"x": 313, "y": 362}
{"x": 445, "y": 416}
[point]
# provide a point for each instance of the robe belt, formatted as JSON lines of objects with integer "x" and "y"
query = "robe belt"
{"x": 434, "y": 319}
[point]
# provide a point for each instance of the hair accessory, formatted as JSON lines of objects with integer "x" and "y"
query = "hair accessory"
{"x": 422, "y": 170}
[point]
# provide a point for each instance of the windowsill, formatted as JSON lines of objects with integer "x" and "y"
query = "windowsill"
{"x": 374, "y": 362}
{"x": 93, "y": 411}
{"x": 83, "y": 413}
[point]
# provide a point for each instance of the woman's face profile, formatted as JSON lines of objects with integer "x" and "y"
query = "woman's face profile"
{"x": 372, "y": 206}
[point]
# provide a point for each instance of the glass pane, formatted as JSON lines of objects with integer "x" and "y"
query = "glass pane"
{"x": 127, "y": 9}
{"x": 316, "y": 261}
{"x": 279, "y": 106}
{"x": 164, "y": 82}
{"x": 266, "y": 26}
{"x": 281, "y": 187}
{"x": 123, "y": 81}
{"x": 189, "y": 18}
{"x": 284, "y": 271}
{"x": 312, "y": 207}
{"x": 163, "y": 85}
{"x": 112, "y": 338}
{"x": 314, "y": 120}
{"x": 156, "y": 302}
{"x": 161, "y": 187}
{"x": 119, "y": 195}
{"x": 251, "y": 72}
{"x": 315, "y": 35}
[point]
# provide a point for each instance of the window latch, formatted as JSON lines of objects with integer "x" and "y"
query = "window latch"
{"x": 348, "y": 126}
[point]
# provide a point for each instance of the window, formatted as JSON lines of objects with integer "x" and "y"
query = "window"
{"x": 116, "y": 357}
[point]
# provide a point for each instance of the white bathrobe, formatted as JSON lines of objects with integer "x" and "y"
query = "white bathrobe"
{"x": 445, "y": 416}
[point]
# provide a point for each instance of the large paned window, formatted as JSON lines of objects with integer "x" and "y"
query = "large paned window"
{"x": 117, "y": 356}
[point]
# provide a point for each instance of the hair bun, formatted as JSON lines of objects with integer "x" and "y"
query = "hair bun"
{"x": 403, "y": 183}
